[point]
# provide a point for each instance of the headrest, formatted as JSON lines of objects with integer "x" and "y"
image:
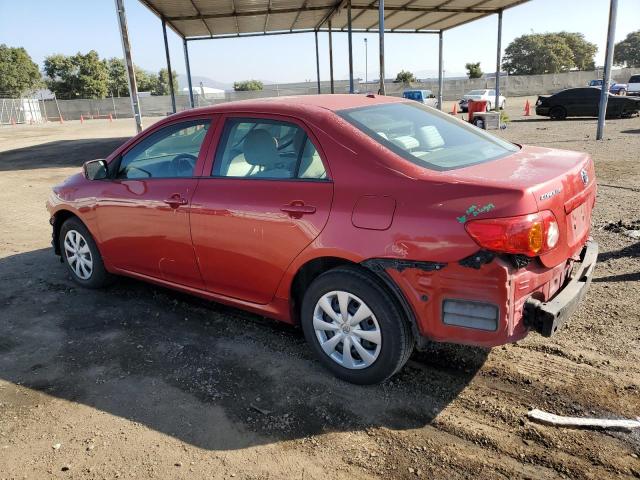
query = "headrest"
{"x": 430, "y": 137}
{"x": 260, "y": 148}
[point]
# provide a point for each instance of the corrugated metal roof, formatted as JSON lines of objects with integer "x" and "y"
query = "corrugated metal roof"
{"x": 218, "y": 18}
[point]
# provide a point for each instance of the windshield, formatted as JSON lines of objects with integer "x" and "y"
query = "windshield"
{"x": 476, "y": 92}
{"x": 427, "y": 137}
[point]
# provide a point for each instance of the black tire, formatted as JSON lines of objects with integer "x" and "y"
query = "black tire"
{"x": 99, "y": 277}
{"x": 396, "y": 336}
{"x": 622, "y": 92}
{"x": 558, "y": 113}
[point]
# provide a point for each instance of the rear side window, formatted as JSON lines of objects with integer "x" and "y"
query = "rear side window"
{"x": 270, "y": 149}
{"x": 427, "y": 137}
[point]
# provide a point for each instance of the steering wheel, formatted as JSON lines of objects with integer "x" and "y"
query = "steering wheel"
{"x": 132, "y": 167}
{"x": 182, "y": 165}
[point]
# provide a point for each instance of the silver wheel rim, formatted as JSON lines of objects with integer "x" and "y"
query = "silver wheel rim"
{"x": 78, "y": 254}
{"x": 347, "y": 330}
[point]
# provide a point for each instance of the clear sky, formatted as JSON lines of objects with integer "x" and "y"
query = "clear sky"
{"x": 45, "y": 27}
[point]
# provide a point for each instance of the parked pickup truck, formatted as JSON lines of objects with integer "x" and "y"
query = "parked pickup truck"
{"x": 633, "y": 85}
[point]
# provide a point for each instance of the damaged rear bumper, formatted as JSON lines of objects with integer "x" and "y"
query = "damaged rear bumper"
{"x": 548, "y": 317}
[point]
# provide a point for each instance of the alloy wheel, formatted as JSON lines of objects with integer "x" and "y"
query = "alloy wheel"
{"x": 78, "y": 254}
{"x": 347, "y": 330}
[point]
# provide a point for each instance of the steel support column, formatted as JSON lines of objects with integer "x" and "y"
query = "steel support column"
{"x": 166, "y": 51}
{"x": 131, "y": 76}
{"x": 317, "y": 61}
{"x": 188, "y": 67}
{"x": 608, "y": 62}
{"x": 496, "y": 104}
{"x": 440, "y": 71}
{"x": 351, "y": 87}
{"x": 331, "y": 59}
{"x": 381, "y": 90}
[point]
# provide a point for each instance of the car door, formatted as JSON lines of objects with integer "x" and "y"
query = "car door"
{"x": 587, "y": 102}
{"x": 143, "y": 209}
{"x": 265, "y": 195}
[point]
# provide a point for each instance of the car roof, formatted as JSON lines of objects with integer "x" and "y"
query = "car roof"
{"x": 292, "y": 104}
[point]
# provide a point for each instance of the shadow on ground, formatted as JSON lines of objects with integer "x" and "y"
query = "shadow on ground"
{"x": 209, "y": 375}
{"x": 61, "y": 153}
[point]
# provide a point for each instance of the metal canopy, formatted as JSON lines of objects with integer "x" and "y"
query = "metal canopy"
{"x": 202, "y": 19}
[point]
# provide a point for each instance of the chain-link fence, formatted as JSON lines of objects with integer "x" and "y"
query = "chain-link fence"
{"x": 34, "y": 111}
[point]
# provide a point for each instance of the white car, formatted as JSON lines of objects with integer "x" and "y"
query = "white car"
{"x": 489, "y": 95}
{"x": 633, "y": 85}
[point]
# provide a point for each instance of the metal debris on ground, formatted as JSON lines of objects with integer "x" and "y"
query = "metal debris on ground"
{"x": 578, "y": 422}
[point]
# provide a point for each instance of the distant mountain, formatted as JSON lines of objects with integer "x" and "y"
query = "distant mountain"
{"x": 206, "y": 81}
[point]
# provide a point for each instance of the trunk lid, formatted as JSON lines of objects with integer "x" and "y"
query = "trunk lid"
{"x": 559, "y": 180}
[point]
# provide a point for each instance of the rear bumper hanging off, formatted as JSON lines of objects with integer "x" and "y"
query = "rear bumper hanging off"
{"x": 548, "y": 317}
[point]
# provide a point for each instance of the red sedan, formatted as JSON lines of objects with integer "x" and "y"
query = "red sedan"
{"x": 375, "y": 223}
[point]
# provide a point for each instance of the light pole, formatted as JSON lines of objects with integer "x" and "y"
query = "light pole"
{"x": 366, "y": 63}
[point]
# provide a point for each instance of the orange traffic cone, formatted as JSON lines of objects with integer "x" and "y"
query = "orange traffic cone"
{"x": 81, "y": 118}
{"x": 61, "y": 119}
{"x": 527, "y": 109}
{"x": 110, "y": 118}
{"x": 454, "y": 111}
{"x": 13, "y": 122}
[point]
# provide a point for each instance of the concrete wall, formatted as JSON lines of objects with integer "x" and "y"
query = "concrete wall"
{"x": 453, "y": 89}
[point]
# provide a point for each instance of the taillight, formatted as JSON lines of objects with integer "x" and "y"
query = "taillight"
{"x": 530, "y": 235}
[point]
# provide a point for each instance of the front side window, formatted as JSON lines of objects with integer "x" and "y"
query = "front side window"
{"x": 427, "y": 137}
{"x": 269, "y": 149}
{"x": 168, "y": 153}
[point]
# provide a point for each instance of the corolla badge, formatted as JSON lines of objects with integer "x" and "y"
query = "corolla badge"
{"x": 585, "y": 177}
{"x": 552, "y": 193}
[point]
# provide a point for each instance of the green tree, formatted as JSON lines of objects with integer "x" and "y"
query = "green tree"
{"x": 77, "y": 76}
{"x": 548, "y": 53}
{"x": 18, "y": 73}
{"x": 248, "y": 85}
{"x": 405, "y": 77}
{"x": 146, "y": 81}
{"x": 627, "y": 51}
{"x": 118, "y": 83}
{"x": 583, "y": 51}
{"x": 473, "y": 70}
{"x": 162, "y": 82}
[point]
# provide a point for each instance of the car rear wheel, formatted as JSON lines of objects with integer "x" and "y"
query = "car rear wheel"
{"x": 503, "y": 104}
{"x": 558, "y": 113}
{"x": 355, "y": 327}
{"x": 622, "y": 92}
{"x": 81, "y": 255}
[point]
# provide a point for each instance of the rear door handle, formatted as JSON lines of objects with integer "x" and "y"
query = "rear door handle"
{"x": 296, "y": 210}
{"x": 175, "y": 200}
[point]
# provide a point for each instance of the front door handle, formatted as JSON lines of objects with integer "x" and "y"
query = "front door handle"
{"x": 175, "y": 200}
{"x": 297, "y": 209}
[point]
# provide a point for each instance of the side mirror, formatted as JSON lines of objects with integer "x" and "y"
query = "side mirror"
{"x": 95, "y": 169}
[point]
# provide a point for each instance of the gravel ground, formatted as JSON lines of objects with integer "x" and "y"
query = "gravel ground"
{"x": 141, "y": 382}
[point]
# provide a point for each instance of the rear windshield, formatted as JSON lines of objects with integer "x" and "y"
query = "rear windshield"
{"x": 635, "y": 79}
{"x": 476, "y": 92}
{"x": 427, "y": 137}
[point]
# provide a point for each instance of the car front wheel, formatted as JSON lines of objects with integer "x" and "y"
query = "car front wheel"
{"x": 81, "y": 255}
{"x": 355, "y": 327}
{"x": 558, "y": 113}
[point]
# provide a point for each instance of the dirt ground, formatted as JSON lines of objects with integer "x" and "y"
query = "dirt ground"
{"x": 141, "y": 382}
